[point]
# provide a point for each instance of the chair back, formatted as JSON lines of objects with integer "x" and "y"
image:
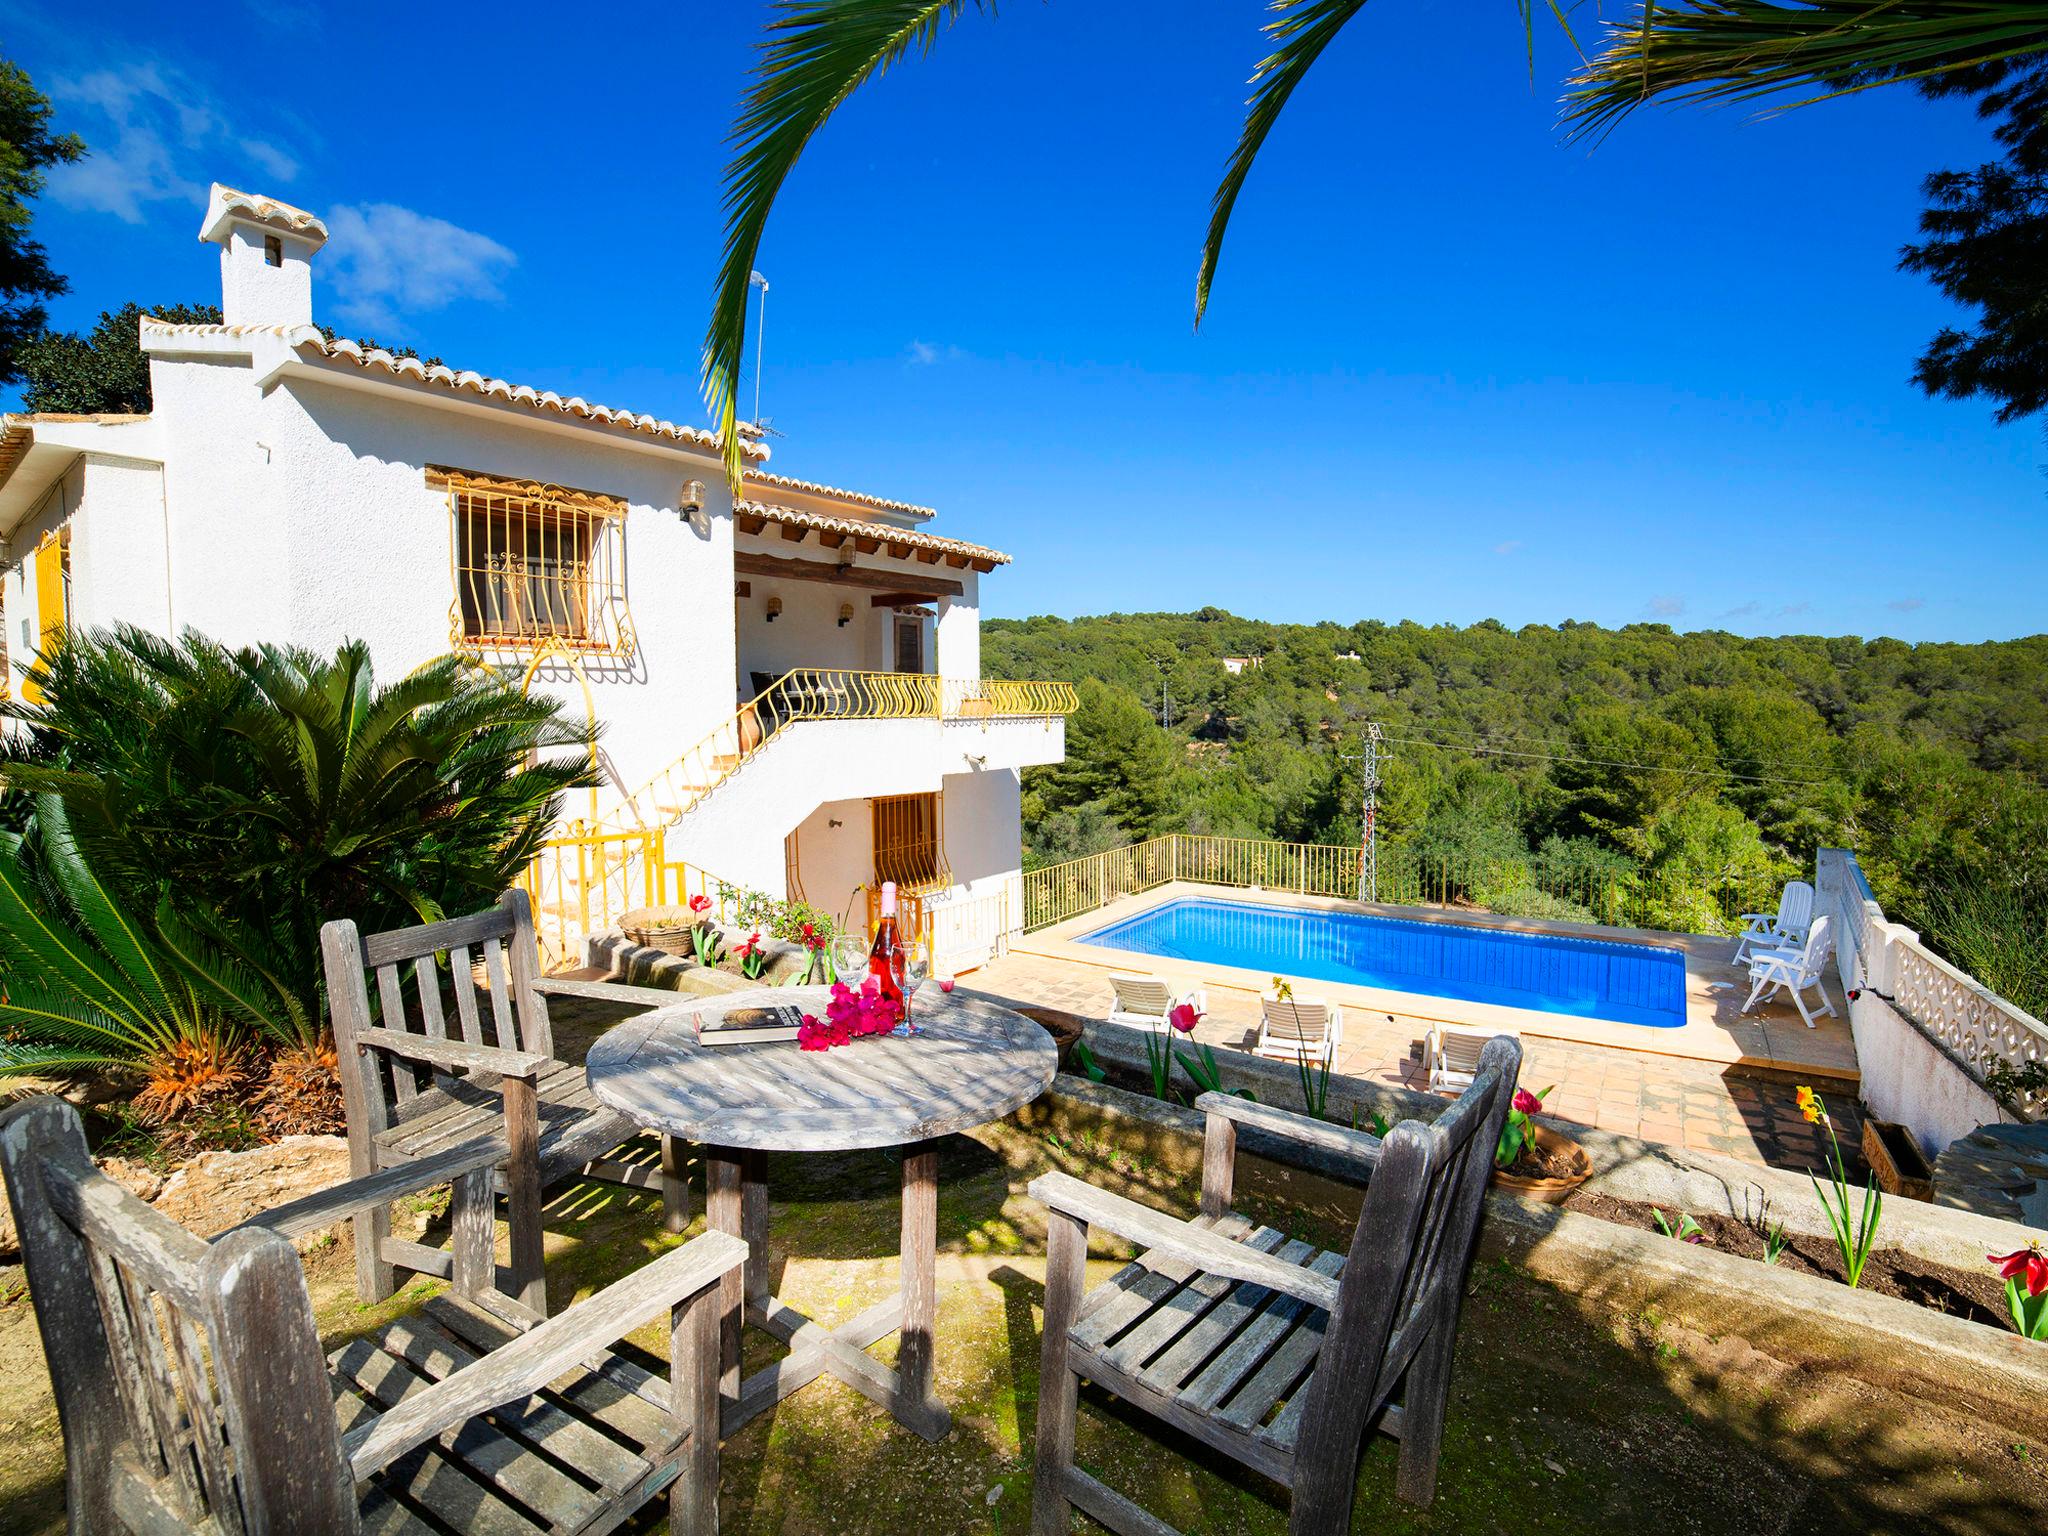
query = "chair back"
{"x": 1141, "y": 994}
{"x": 423, "y": 976}
{"x": 1295, "y": 1021}
{"x": 1405, "y": 1272}
{"x": 1458, "y": 1050}
{"x": 1795, "y": 909}
{"x": 1819, "y": 948}
{"x": 188, "y": 1375}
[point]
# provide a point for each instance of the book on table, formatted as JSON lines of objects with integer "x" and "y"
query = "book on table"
{"x": 746, "y": 1026}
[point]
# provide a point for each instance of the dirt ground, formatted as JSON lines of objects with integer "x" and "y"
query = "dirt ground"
{"x": 1565, "y": 1417}
{"x": 1561, "y": 1420}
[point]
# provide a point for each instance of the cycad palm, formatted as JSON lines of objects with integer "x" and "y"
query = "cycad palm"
{"x": 269, "y": 789}
{"x": 86, "y": 982}
{"x": 819, "y": 52}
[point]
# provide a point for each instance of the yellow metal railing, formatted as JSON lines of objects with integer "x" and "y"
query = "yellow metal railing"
{"x": 585, "y": 879}
{"x": 1060, "y": 891}
{"x": 828, "y": 693}
{"x": 983, "y": 698}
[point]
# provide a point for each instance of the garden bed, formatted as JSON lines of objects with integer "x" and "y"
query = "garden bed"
{"x": 1977, "y": 1296}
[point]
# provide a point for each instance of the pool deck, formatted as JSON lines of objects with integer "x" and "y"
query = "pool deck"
{"x": 1715, "y": 1033}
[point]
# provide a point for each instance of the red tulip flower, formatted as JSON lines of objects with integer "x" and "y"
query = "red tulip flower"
{"x": 1184, "y": 1018}
{"x": 2027, "y": 1265}
{"x": 700, "y": 904}
{"x": 945, "y": 983}
{"x": 1527, "y": 1102}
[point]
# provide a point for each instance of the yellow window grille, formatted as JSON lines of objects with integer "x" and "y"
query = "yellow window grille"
{"x": 907, "y": 839}
{"x": 536, "y": 565}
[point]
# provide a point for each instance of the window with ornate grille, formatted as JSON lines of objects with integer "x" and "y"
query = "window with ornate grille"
{"x": 907, "y": 839}
{"x": 536, "y": 565}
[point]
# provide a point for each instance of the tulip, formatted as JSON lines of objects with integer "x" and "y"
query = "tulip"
{"x": 1184, "y": 1018}
{"x": 945, "y": 983}
{"x": 1527, "y": 1102}
{"x": 700, "y": 903}
{"x": 2027, "y": 1262}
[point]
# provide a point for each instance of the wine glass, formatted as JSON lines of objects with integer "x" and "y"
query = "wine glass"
{"x": 850, "y": 958}
{"x": 917, "y": 965}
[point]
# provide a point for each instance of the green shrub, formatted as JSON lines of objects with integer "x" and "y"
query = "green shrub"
{"x": 250, "y": 795}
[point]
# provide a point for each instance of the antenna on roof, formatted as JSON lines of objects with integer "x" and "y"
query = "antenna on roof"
{"x": 756, "y": 280}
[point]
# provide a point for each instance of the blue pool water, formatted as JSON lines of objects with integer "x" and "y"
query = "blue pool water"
{"x": 1588, "y": 978}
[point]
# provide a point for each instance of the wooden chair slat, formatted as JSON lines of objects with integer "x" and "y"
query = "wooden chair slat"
{"x": 202, "y": 1415}
{"x": 434, "y": 1352}
{"x": 159, "y": 1393}
{"x": 1128, "y": 1294}
{"x": 427, "y": 977}
{"x": 462, "y": 973}
{"x": 1258, "y": 1321}
{"x": 483, "y": 1449}
{"x": 127, "y": 1363}
{"x": 1180, "y": 1311}
{"x": 1287, "y": 1365}
{"x": 453, "y": 933}
{"x": 404, "y": 1075}
{"x": 501, "y": 996}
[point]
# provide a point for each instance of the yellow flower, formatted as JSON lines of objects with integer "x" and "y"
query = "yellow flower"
{"x": 1805, "y": 1097}
{"x": 1812, "y": 1113}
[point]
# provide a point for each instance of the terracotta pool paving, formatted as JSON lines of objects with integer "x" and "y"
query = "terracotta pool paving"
{"x": 1704, "y": 1105}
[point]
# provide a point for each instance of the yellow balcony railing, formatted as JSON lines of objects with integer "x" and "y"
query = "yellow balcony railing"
{"x": 828, "y": 693}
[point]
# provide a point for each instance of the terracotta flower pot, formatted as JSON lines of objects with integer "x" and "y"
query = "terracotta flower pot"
{"x": 1549, "y": 1190}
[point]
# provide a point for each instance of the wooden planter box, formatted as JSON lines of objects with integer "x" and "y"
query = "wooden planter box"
{"x": 1897, "y": 1161}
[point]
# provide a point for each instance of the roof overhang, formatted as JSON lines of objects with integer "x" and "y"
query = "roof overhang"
{"x": 36, "y": 450}
{"x": 851, "y": 536}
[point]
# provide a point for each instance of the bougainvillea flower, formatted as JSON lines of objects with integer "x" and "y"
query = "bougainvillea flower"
{"x": 1184, "y": 1018}
{"x": 1527, "y": 1102}
{"x": 700, "y": 903}
{"x": 2027, "y": 1265}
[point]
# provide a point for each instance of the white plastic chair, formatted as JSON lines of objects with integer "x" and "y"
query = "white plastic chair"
{"x": 1451, "y": 1052}
{"x": 1786, "y": 929}
{"x": 1794, "y": 970}
{"x": 1299, "y": 1028}
{"x": 1145, "y": 1001}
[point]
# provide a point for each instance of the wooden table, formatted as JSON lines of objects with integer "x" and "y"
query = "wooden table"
{"x": 973, "y": 1063}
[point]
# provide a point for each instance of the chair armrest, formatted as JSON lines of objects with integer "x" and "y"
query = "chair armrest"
{"x": 1160, "y": 1233}
{"x": 453, "y": 1053}
{"x": 522, "y": 1367}
{"x": 323, "y": 1208}
{"x": 1359, "y": 1146}
{"x": 611, "y": 992}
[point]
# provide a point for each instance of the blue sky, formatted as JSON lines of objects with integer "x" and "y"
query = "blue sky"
{"x": 1454, "y": 368}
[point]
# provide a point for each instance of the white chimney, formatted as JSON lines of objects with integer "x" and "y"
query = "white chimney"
{"x": 266, "y": 257}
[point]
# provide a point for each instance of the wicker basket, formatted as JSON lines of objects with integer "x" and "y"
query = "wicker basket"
{"x": 664, "y": 928}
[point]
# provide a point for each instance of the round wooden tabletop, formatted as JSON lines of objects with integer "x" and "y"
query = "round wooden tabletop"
{"x": 971, "y": 1063}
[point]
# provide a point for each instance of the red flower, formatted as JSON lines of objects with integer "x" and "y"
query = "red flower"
{"x": 1184, "y": 1018}
{"x": 1527, "y": 1102}
{"x": 700, "y": 904}
{"x": 752, "y": 943}
{"x": 945, "y": 983}
{"x": 812, "y": 939}
{"x": 2028, "y": 1262}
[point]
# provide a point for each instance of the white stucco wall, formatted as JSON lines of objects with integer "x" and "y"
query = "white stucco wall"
{"x": 304, "y": 515}
{"x": 807, "y": 632}
{"x": 1908, "y": 1079}
{"x": 62, "y": 504}
{"x": 958, "y": 629}
{"x": 736, "y": 831}
{"x": 835, "y": 862}
{"x": 984, "y": 829}
{"x": 255, "y": 293}
{"x": 119, "y": 538}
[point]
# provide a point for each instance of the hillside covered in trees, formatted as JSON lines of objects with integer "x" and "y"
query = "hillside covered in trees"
{"x": 1681, "y": 761}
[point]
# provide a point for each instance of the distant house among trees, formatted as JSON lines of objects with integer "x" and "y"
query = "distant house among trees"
{"x": 1236, "y": 665}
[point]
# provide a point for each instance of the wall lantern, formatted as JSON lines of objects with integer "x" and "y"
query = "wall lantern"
{"x": 690, "y": 503}
{"x": 773, "y": 608}
{"x": 845, "y": 614}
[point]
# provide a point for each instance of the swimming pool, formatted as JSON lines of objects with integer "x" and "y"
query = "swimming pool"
{"x": 1586, "y": 978}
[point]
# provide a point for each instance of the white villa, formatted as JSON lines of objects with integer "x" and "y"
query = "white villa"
{"x": 789, "y": 685}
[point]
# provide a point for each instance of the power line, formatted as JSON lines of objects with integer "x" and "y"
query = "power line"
{"x": 1605, "y": 762}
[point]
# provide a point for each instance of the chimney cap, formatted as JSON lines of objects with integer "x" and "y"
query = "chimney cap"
{"x": 225, "y": 207}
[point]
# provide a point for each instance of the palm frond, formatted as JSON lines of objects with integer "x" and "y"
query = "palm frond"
{"x": 1736, "y": 50}
{"x": 33, "y": 1058}
{"x": 1301, "y": 30}
{"x": 817, "y": 54}
{"x": 43, "y": 949}
{"x": 114, "y": 932}
{"x": 224, "y": 981}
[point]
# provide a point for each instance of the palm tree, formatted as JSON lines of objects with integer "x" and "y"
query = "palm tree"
{"x": 265, "y": 790}
{"x": 819, "y": 52}
{"x": 87, "y": 984}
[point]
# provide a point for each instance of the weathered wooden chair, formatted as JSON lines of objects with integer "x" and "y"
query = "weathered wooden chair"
{"x": 1264, "y": 1349}
{"x": 193, "y": 1397}
{"x": 412, "y": 1088}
